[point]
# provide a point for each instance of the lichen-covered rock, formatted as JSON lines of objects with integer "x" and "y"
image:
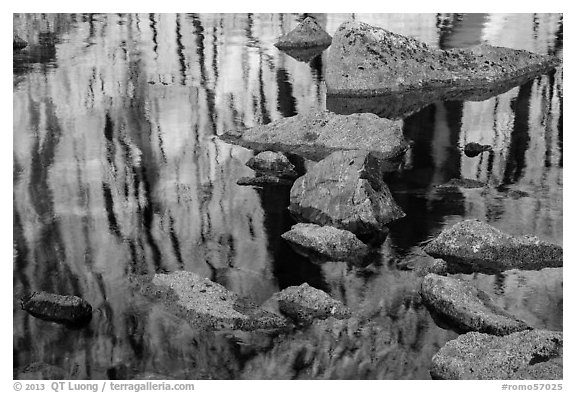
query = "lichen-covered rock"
{"x": 366, "y": 60}
{"x": 473, "y": 149}
{"x": 272, "y": 163}
{"x": 325, "y": 243}
{"x": 469, "y": 308}
{"x": 317, "y": 134}
{"x": 472, "y": 245}
{"x": 422, "y": 264}
{"x": 346, "y": 191}
{"x": 535, "y": 354}
{"x": 264, "y": 180}
{"x": 307, "y": 34}
{"x": 304, "y": 304}
{"x": 65, "y": 309}
{"x": 205, "y": 304}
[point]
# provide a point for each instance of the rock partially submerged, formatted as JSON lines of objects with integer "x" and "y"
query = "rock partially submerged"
{"x": 272, "y": 163}
{"x": 18, "y": 43}
{"x": 68, "y": 310}
{"x": 264, "y": 180}
{"x": 473, "y": 149}
{"x": 535, "y": 354}
{"x": 304, "y": 304}
{"x": 325, "y": 243}
{"x": 365, "y": 61}
{"x": 471, "y": 246}
{"x": 469, "y": 308}
{"x": 346, "y": 191}
{"x": 306, "y": 35}
{"x": 317, "y": 134}
{"x": 422, "y": 264}
{"x": 205, "y": 304}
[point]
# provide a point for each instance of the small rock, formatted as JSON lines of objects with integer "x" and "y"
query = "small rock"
{"x": 305, "y": 304}
{"x": 463, "y": 183}
{"x": 325, "y": 243}
{"x": 18, "y": 43}
{"x": 535, "y": 354}
{"x": 469, "y": 308}
{"x": 422, "y": 264}
{"x": 473, "y": 149}
{"x": 474, "y": 246}
{"x": 272, "y": 163}
{"x": 307, "y": 34}
{"x": 68, "y": 310}
{"x": 265, "y": 180}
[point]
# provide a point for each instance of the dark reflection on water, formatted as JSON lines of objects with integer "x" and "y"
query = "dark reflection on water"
{"x": 118, "y": 170}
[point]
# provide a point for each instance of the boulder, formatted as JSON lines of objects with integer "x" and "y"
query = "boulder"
{"x": 264, "y": 180}
{"x": 325, "y": 243}
{"x": 469, "y": 308}
{"x": 18, "y": 43}
{"x": 272, "y": 163}
{"x": 474, "y": 246}
{"x": 306, "y": 35}
{"x": 317, "y": 134}
{"x": 364, "y": 61}
{"x": 304, "y": 304}
{"x": 422, "y": 264}
{"x": 68, "y": 310}
{"x": 534, "y": 354}
{"x": 473, "y": 149}
{"x": 346, "y": 191}
{"x": 462, "y": 183}
{"x": 205, "y": 304}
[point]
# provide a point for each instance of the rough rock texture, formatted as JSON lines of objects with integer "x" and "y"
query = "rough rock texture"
{"x": 264, "y": 180}
{"x": 535, "y": 354}
{"x": 345, "y": 190}
{"x": 304, "y": 304}
{"x": 317, "y": 134}
{"x": 18, "y": 43}
{"x": 463, "y": 183}
{"x": 272, "y": 163}
{"x": 473, "y": 149}
{"x": 366, "y": 60}
{"x": 472, "y": 245}
{"x": 206, "y": 304}
{"x": 69, "y": 310}
{"x": 307, "y": 34}
{"x": 422, "y": 264}
{"x": 325, "y": 243}
{"x": 467, "y": 307}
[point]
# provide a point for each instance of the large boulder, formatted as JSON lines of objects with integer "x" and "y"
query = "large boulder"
{"x": 65, "y": 309}
{"x": 469, "y": 308}
{"x": 472, "y": 245}
{"x": 364, "y": 60}
{"x": 307, "y": 34}
{"x": 317, "y": 134}
{"x": 325, "y": 243}
{"x": 304, "y": 304}
{"x": 205, "y": 304}
{"x": 535, "y": 354}
{"x": 272, "y": 163}
{"x": 345, "y": 190}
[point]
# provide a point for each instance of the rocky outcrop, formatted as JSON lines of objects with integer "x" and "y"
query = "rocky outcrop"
{"x": 68, "y": 310}
{"x": 304, "y": 304}
{"x": 469, "y": 308}
{"x": 205, "y": 304}
{"x": 272, "y": 163}
{"x": 422, "y": 264}
{"x": 364, "y": 60}
{"x": 264, "y": 180}
{"x": 346, "y": 191}
{"x": 306, "y": 35}
{"x": 317, "y": 134}
{"x": 473, "y": 149}
{"x": 535, "y": 354}
{"x": 472, "y": 245}
{"x": 325, "y": 243}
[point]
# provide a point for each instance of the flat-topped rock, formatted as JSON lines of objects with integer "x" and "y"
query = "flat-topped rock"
{"x": 467, "y": 307}
{"x": 272, "y": 163}
{"x": 325, "y": 243}
{"x": 317, "y": 134}
{"x": 345, "y": 190}
{"x": 471, "y": 246}
{"x": 364, "y": 61}
{"x": 205, "y": 304}
{"x": 307, "y": 34}
{"x": 65, "y": 309}
{"x": 534, "y": 354}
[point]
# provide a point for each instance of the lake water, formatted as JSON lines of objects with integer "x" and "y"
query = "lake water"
{"x": 118, "y": 170}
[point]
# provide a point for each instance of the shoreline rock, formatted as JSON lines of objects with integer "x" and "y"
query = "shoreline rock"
{"x": 272, "y": 163}
{"x": 306, "y": 34}
{"x": 65, "y": 309}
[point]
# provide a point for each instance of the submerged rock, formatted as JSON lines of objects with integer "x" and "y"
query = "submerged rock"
{"x": 535, "y": 354}
{"x": 473, "y": 149}
{"x": 307, "y": 34}
{"x": 474, "y": 246}
{"x": 18, "y": 43}
{"x": 205, "y": 304}
{"x": 304, "y": 55}
{"x": 272, "y": 163}
{"x": 264, "y": 180}
{"x": 469, "y": 308}
{"x": 365, "y": 60}
{"x": 463, "y": 183}
{"x": 346, "y": 191}
{"x": 422, "y": 264}
{"x": 317, "y": 134}
{"x": 304, "y": 304}
{"x": 69, "y": 310}
{"x": 325, "y": 243}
